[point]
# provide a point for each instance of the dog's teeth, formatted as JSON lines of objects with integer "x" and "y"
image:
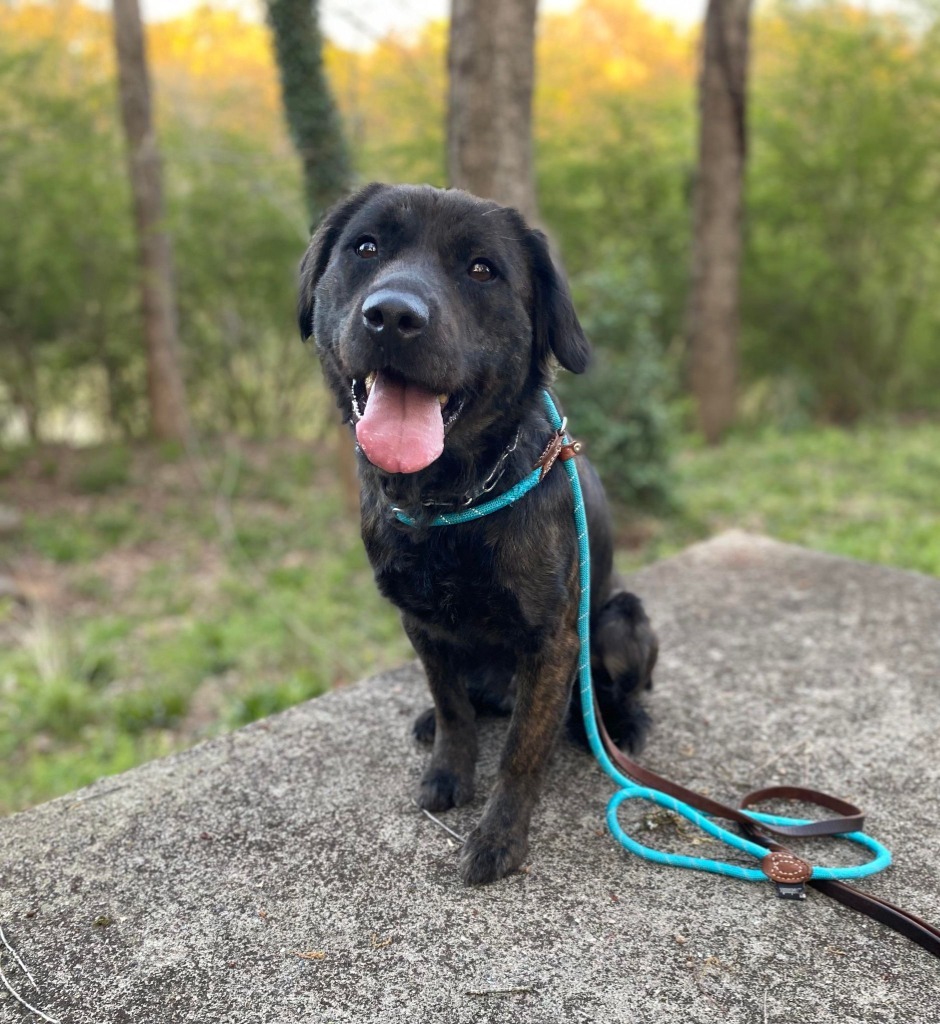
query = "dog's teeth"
{"x": 442, "y": 399}
{"x": 370, "y": 380}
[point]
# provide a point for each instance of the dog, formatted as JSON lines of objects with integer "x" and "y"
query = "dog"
{"x": 438, "y": 318}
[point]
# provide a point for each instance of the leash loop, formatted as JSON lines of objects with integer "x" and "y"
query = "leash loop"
{"x": 881, "y": 859}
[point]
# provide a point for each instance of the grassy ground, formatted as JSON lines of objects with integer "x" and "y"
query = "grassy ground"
{"x": 157, "y": 600}
{"x": 869, "y": 493}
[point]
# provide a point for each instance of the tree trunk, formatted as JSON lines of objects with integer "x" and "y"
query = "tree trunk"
{"x": 491, "y": 61}
{"x": 317, "y": 134}
{"x": 24, "y": 387}
{"x": 311, "y": 114}
{"x": 169, "y": 419}
{"x": 713, "y": 310}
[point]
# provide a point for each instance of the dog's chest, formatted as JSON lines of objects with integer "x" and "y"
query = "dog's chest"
{"x": 447, "y": 584}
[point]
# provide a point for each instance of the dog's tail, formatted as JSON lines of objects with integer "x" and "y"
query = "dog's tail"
{"x": 624, "y": 650}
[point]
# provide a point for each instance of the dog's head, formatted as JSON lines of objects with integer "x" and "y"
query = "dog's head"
{"x": 436, "y": 316}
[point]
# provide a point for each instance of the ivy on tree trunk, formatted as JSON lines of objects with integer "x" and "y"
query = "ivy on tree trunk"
{"x": 312, "y": 116}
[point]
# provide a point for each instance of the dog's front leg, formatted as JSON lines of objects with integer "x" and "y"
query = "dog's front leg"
{"x": 448, "y": 779}
{"x": 500, "y": 842}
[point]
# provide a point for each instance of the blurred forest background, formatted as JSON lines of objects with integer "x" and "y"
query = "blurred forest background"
{"x": 153, "y": 592}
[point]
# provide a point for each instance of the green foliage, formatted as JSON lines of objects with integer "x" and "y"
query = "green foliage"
{"x": 241, "y": 580}
{"x": 138, "y": 711}
{"x": 238, "y": 234}
{"x": 102, "y": 469}
{"x": 842, "y": 275}
{"x": 618, "y": 197}
{"x": 66, "y": 254}
{"x": 208, "y": 637}
{"x": 390, "y": 147}
{"x": 619, "y": 408}
{"x": 841, "y": 288}
{"x": 11, "y": 459}
{"x": 69, "y": 766}
{"x": 62, "y": 707}
{"x": 70, "y": 330}
{"x": 171, "y": 451}
{"x": 85, "y": 537}
{"x": 62, "y": 541}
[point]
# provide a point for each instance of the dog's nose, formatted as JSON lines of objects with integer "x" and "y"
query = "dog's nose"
{"x": 391, "y": 312}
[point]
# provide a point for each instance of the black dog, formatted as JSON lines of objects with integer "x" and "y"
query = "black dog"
{"x": 437, "y": 317}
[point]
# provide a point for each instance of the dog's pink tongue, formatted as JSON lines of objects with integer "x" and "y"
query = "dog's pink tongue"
{"x": 402, "y": 428}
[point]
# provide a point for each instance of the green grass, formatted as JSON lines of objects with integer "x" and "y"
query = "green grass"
{"x": 868, "y": 493}
{"x": 174, "y": 602}
{"x": 102, "y": 469}
{"x": 178, "y": 610}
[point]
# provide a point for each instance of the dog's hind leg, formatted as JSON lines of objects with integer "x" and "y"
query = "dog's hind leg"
{"x": 624, "y": 649}
{"x": 490, "y": 688}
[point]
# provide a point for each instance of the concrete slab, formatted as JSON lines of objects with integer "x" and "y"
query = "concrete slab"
{"x": 282, "y": 873}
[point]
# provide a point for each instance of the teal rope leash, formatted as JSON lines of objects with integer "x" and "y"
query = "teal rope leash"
{"x": 629, "y": 790}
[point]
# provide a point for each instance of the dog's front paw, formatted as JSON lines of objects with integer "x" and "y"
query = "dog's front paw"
{"x": 443, "y": 788}
{"x": 485, "y": 857}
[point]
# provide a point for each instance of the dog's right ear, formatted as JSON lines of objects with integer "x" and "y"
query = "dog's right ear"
{"x": 317, "y": 256}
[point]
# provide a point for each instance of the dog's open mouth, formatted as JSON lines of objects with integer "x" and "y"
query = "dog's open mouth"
{"x": 400, "y": 425}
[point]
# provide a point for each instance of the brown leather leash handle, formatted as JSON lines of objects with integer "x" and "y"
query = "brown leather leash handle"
{"x": 849, "y": 817}
{"x": 781, "y": 865}
{"x": 902, "y": 921}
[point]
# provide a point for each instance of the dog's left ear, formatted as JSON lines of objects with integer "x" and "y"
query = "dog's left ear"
{"x": 317, "y": 256}
{"x": 555, "y": 324}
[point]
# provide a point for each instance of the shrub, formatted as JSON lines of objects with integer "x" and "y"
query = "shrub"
{"x": 102, "y": 469}
{"x": 842, "y": 273}
{"x": 620, "y": 407}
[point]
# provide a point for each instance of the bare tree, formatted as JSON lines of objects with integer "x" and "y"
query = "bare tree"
{"x": 169, "y": 419}
{"x": 713, "y": 310}
{"x": 489, "y": 121}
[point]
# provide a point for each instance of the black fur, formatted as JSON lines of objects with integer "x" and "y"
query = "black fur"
{"x": 490, "y": 606}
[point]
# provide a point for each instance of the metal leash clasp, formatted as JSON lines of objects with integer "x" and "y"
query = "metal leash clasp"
{"x": 558, "y": 447}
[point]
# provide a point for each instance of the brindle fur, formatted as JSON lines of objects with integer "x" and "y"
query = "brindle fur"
{"x": 491, "y": 605}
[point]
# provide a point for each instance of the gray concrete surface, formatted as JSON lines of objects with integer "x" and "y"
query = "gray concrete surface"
{"x": 282, "y": 873}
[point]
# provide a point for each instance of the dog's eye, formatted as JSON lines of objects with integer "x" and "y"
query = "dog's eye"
{"x": 480, "y": 270}
{"x": 367, "y": 248}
